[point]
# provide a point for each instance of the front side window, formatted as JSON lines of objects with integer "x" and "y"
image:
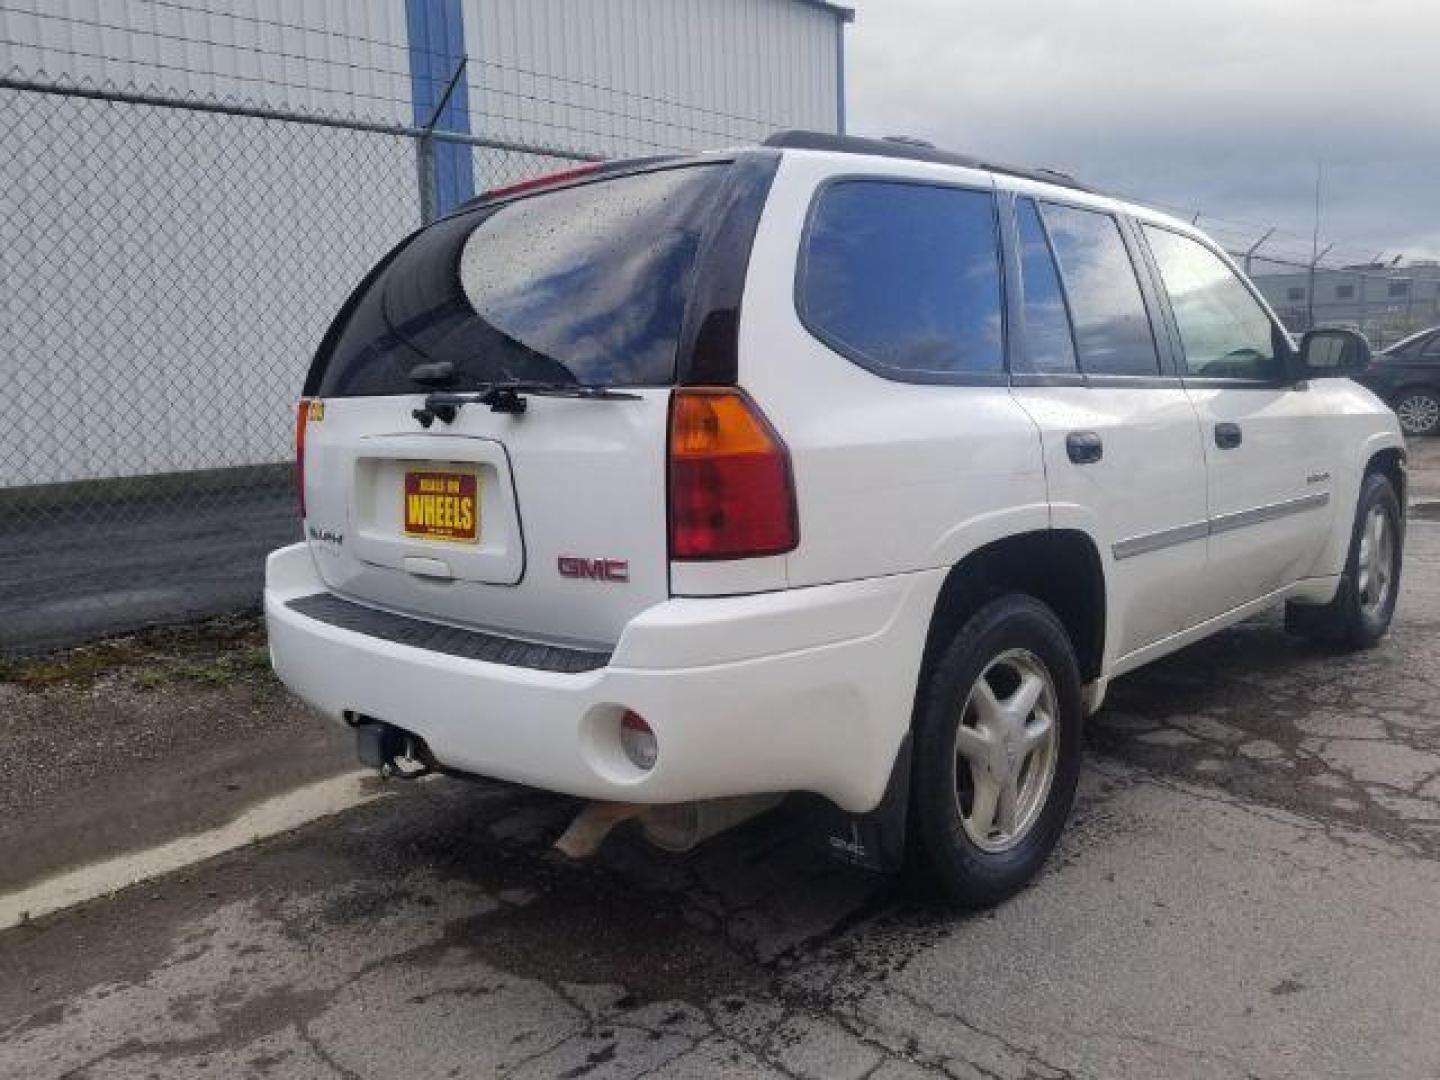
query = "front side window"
{"x": 1223, "y": 329}
{"x": 904, "y": 279}
{"x": 1049, "y": 348}
{"x": 1112, "y": 330}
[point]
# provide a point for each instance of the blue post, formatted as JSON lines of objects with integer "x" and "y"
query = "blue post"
{"x": 437, "y": 46}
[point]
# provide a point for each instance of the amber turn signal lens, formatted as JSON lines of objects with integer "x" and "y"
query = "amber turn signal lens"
{"x": 731, "y": 493}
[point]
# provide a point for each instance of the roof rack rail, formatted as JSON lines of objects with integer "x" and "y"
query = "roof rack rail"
{"x": 909, "y": 140}
{"x": 909, "y": 149}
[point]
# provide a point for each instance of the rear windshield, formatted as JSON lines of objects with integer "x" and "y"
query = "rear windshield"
{"x": 585, "y": 284}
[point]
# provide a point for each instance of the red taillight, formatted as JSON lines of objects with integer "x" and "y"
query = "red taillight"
{"x": 302, "y": 416}
{"x": 731, "y": 495}
{"x": 536, "y": 182}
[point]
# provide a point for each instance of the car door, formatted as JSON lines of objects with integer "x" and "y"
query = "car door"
{"x": 1269, "y": 462}
{"x": 1121, "y": 439}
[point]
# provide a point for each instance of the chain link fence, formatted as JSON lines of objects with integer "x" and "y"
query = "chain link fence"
{"x": 170, "y": 265}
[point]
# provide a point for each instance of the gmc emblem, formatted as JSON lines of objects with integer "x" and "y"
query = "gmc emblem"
{"x": 572, "y": 566}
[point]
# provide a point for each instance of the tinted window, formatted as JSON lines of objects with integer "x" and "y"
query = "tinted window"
{"x": 904, "y": 278}
{"x": 1112, "y": 331}
{"x": 1224, "y": 330}
{"x": 1048, "y": 345}
{"x": 583, "y": 284}
{"x": 1431, "y": 351}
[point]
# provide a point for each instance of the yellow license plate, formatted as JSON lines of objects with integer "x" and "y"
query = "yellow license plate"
{"x": 443, "y": 505}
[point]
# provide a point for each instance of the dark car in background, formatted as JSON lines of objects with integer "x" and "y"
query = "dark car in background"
{"x": 1407, "y": 377}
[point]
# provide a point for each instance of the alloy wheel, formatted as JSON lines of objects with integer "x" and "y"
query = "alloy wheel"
{"x": 1376, "y": 561}
{"x": 1418, "y": 413}
{"x": 1006, "y": 748}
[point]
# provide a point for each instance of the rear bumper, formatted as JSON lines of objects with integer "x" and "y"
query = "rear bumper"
{"x": 806, "y": 689}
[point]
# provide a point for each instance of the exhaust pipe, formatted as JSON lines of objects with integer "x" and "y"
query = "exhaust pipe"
{"x": 395, "y": 752}
{"x": 674, "y": 827}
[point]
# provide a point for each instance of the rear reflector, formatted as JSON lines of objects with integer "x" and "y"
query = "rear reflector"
{"x": 638, "y": 741}
{"x": 302, "y": 415}
{"x": 731, "y": 494}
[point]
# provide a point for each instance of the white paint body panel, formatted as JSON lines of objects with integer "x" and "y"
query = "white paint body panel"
{"x": 765, "y": 693}
{"x": 1150, "y": 479}
{"x": 799, "y": 671}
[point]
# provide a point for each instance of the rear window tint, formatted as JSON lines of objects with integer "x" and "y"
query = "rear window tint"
{"x": 584, "y": 284}
{"x": 904, "y": 279}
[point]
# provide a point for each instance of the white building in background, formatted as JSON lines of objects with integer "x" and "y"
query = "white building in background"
{"x": 169, "y": 271}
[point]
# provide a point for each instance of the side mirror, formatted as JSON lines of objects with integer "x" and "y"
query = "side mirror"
{"x": 1332, "y": 354}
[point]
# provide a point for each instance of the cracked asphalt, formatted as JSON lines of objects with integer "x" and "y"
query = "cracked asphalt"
{"x": 1247, "y": 889}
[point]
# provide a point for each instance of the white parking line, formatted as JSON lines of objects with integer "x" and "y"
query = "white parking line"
{"x": 269, "y": 818}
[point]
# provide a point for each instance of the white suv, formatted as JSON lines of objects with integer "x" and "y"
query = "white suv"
{"x": 837, "y": 466}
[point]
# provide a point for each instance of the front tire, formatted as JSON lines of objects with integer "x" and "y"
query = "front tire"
{"x": 997, "y": 743}
{"x": 1360, "y": 614}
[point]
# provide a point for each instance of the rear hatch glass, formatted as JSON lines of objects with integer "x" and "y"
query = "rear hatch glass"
{"x": 548, "y": 524}
{"x": 583, "y": 284}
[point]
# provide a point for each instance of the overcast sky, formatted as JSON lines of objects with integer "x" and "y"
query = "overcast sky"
{"x": 1219, "y": 105}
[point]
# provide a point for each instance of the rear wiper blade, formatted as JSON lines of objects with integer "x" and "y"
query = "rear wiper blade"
{"x": 509, "y": 397}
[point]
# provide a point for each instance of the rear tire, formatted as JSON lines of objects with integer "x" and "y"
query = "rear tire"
{"x": 1360, "y": 614}
{"x": 1418, "y": 412}
{"x": 997, "y": 751}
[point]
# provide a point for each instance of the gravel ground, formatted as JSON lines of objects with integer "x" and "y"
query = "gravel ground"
{"x": 122, "y": 745}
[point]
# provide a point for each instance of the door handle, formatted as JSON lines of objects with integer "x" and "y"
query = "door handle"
{"x": 1084, "y": 447}
{"x": 1227, "y": 435}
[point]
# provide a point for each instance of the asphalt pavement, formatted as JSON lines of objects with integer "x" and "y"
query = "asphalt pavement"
{"x": 1247, "y": 889}
{"x": 79, "y": 571}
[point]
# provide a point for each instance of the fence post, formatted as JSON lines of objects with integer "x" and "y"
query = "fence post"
{"x": 425, "y": 174}
{"x": 425, "y": 170}
{"x": 1253, "y": 248}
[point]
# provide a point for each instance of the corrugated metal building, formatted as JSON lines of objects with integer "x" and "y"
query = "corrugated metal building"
{"x": 176, "y": 262}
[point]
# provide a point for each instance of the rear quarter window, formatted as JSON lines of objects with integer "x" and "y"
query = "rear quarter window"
{"x": 904, "y": 279}
{"x": 583, "y": 284}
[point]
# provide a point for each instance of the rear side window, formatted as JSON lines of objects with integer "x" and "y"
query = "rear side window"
{"x": 904, "y": 279}
{"x": 1112, "y": 330}
{"x": 1224, "y": 330}
{"x": 585, "y": 284}
{"x": 1049, "y": 348}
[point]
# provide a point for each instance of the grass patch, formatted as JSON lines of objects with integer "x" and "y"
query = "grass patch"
{"x": 213, "y": 653}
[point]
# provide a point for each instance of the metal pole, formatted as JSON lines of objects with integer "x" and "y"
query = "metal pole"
{"x": 1253, "y": 248}
{"x": 1310, "y": 288}
{"x": 425, "y": 164}
{"x": 256, "y": 112}
{"x": 1314, "y": 258}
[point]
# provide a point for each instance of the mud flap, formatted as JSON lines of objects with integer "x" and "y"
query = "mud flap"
{"x": 875, "y": 840}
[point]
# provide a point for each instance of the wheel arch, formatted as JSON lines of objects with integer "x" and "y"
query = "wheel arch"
{"x": 1390, "y": 462}
{"x": 1060, "y": 567}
